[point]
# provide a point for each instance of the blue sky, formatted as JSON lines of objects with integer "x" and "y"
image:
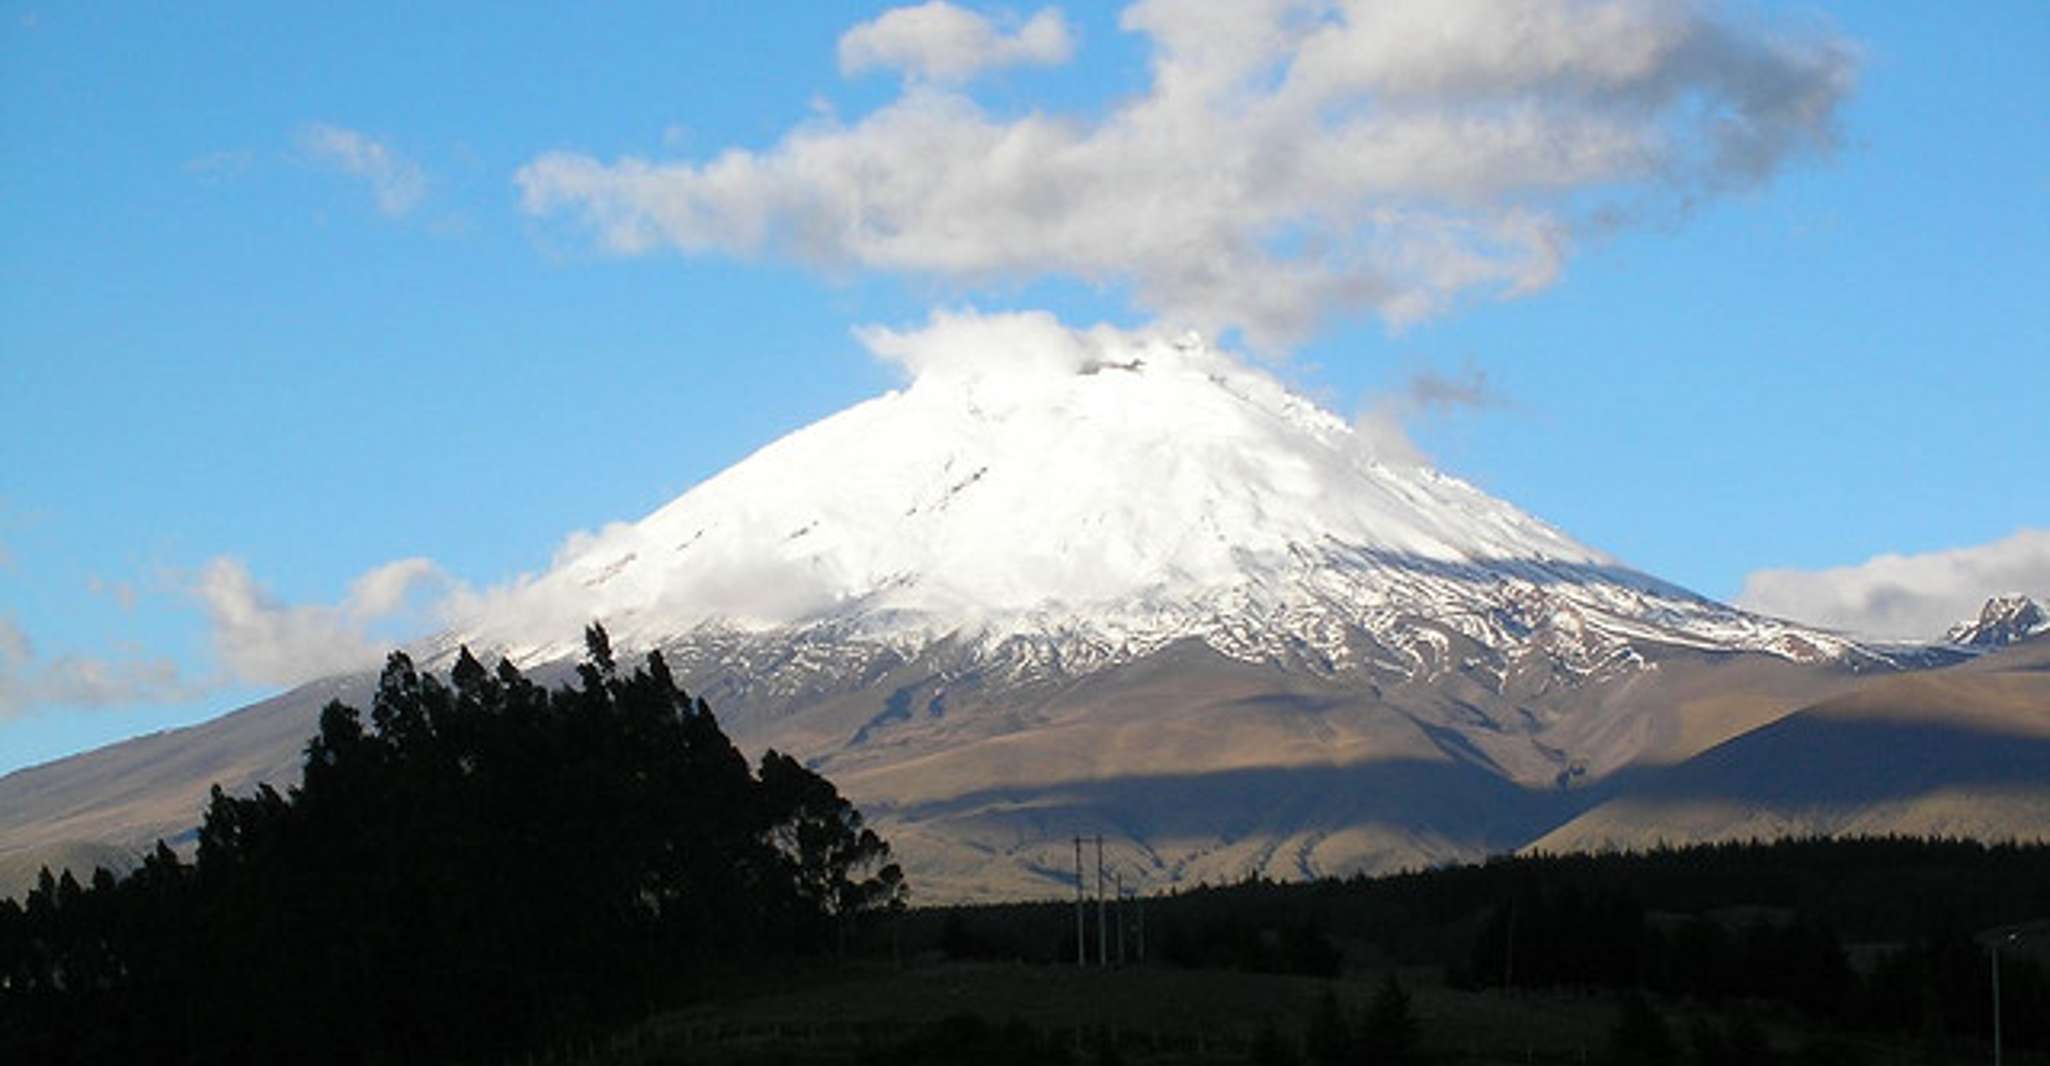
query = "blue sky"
{"x": 275, "y": 307}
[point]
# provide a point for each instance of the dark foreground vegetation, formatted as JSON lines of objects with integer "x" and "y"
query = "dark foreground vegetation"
{"x": 1837, "y": 951}
{"x": 483, "y": 867}
{"x": 490, "y": 871}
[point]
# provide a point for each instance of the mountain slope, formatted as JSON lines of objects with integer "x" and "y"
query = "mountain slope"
{"x": 1194, "y": 765}
{"x": 127, "y": 795}
{"x": 1958, "y": 752}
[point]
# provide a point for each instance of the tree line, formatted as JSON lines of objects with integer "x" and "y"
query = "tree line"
{"x": 1874, "y": 936}
{"x": 482, "y": 864}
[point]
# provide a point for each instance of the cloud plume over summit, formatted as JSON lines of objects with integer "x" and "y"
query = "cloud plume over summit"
{"x": 1289, "y": 162}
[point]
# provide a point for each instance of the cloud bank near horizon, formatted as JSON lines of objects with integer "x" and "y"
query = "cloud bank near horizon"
{"x": 1291, "y": 162}
{"x": 1906, "y": 597}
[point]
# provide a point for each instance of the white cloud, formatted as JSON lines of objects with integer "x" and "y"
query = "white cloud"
{"x": 260, "y": 640}
{"x": 121, "y": 592}
{"x": 398, "y": 183}
{"x": 1906, "y": 596}
{"x": 944, "y": 43}
{"x": 1016, "y": 346}
{"x": 27, "y": 680}
{"x": 1381, "y": 433}
{"x": 1291, "y": 160}
{"x": 256, "y": 638}
{"x": 383, "y": 590}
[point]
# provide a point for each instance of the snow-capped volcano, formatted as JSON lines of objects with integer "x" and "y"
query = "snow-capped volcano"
{"x": 1071, "y": 582}
{"x": 1085, "y": 498}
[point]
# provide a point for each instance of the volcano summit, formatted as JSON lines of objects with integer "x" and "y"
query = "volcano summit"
{"x": 1058, "y": 502}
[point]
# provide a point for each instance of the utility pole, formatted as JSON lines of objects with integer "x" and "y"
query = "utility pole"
{"x": 1120, "y": 885}
{"x": 1102, "y": 913}
{"x": 1081, "y": 909}
{"x": 1139, "y": 901}
{"x": 2011, "y": 937}
{"x": 1996, "y": 1001}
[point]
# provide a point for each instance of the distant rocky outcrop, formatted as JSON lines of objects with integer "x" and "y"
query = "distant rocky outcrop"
{"x": 2003, "y": 621}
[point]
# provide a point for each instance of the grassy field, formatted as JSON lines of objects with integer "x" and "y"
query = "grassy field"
{"x": 1016, "y": 1013}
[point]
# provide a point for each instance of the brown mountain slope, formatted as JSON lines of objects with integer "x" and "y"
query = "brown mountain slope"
{"x": 1201, "y": 768}
{"x": 1963, "y": 751}
{"x": 1195, "y": 766}
{"x": 118, "y": 800}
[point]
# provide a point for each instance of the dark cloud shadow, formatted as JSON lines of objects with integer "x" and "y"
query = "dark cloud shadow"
{"x": 1808, "y": 760}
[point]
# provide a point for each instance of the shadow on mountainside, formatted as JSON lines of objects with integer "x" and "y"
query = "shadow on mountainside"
{"x": 1459, "y": 811}
{"x": 1453, "y": 801}
{"x": 1807, "y": 760}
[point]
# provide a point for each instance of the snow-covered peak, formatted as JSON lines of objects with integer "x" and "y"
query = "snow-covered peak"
{"x": 1028, "y": 469}
{"x": 1057, "y": 500}
{"x": 2002, "y": 621}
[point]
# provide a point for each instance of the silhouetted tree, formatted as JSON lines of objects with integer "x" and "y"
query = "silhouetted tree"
{"x": 835, "y": 867}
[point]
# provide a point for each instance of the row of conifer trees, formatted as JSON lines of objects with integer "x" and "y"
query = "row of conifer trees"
{"x": 484, "y": 864}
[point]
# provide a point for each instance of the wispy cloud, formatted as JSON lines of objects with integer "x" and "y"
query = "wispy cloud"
{"x": 1291, "y": 161}
{"x": 1913, "y": 597}
{"x": 121, "y": 592}
{"x": 260, "y": 639}
{"x": 219, "y": 166}
{"x": 1432, "y": 392}
{"x": 398, "y": 183}
{"x": 257, "y": 638}
{"x": 941, "y": 42}
{"x": 1383, "y": 425}
{"x": 29, "y": 680}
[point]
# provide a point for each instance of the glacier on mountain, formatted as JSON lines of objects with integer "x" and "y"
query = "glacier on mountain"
{"x": 1060, "y": 500}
